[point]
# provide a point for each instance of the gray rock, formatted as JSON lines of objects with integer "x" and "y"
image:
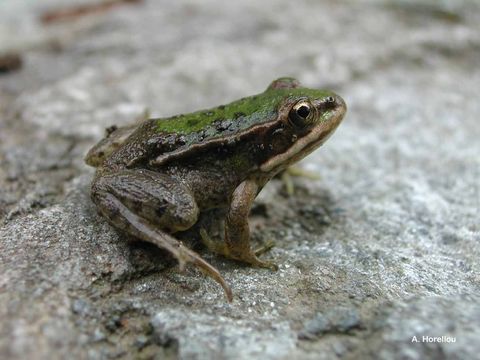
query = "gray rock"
{"x": 213, "y": 337}
{"x": 318, "y": 325}
{"x": 433, "y": 327}
{"x": 382, "y": 248}
{"x": 336, "y": 320}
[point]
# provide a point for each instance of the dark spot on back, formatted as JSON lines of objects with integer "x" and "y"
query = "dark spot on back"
{"x": 137, "y": 205}
{"x": 221, "y": 107}
{"x": 221, "y": 124}
{"x": 201, "y": 136}
{"x": 110, "y": 130}
{"x": 181, "y": 140}
{"x": 160, "y": 211}
{"x": 224, "y": 125}
{"x": 192, "y": 122}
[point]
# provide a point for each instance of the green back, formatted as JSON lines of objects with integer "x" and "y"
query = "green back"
{"x": 234, "y": 118}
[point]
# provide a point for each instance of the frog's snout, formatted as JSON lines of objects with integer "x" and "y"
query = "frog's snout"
{"x": 334, "y": 107}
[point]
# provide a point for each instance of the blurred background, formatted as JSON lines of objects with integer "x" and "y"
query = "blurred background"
{"x": 383, "y": 247}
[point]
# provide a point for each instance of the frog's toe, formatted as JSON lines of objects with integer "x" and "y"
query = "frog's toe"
{"x": 265, "y": 264}
{"x": 253, "y": 260}
{"x": 264, "y": 248}
{"x": 189, "y": 256}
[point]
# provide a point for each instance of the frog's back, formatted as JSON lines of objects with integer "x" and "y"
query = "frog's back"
{"x": 223, "y": 120}
{"x": 159, "y": 140}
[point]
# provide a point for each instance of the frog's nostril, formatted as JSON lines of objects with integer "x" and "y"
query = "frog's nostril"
{"x": 332, "y": 102}
{"x": 328, "y": 103}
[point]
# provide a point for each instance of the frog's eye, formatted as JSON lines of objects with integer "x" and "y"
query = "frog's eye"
{"x": 299, "y": 115}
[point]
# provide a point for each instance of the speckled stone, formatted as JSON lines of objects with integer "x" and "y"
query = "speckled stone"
{"x": 383, "y": 247}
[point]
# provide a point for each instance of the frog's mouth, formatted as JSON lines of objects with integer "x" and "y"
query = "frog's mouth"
{"x": 309, "y": 142}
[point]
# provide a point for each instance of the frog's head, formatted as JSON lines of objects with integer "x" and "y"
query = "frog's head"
{"x": 304, "y": 121}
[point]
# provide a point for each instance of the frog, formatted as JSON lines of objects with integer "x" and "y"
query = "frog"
{"x": 155, "y": 178}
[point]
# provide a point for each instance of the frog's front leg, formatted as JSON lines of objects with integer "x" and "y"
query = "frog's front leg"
{"x": 237, "y": 231}
{"x": 145, "y": 204}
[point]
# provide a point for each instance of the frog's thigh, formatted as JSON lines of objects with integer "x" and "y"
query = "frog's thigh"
{"x": 153, "y": 196}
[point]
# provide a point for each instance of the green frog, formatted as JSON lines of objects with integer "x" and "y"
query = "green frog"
{"x": 155, "y": 178}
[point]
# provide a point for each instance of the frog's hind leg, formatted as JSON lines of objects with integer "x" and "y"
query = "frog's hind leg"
{"x": 139, "y": 228}
{"x": 143, "y": 202}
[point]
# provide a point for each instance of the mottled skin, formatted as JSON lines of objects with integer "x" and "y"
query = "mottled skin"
{"x": 156, "y": 177}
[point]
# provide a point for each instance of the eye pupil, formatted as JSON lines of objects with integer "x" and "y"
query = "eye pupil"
{"x": 303, "y": 111}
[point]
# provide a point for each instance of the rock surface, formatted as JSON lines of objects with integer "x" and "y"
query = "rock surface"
{"x": 383, "y": 248}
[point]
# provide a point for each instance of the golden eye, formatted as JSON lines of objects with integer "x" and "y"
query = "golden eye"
{"x": 299, "y": 113}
